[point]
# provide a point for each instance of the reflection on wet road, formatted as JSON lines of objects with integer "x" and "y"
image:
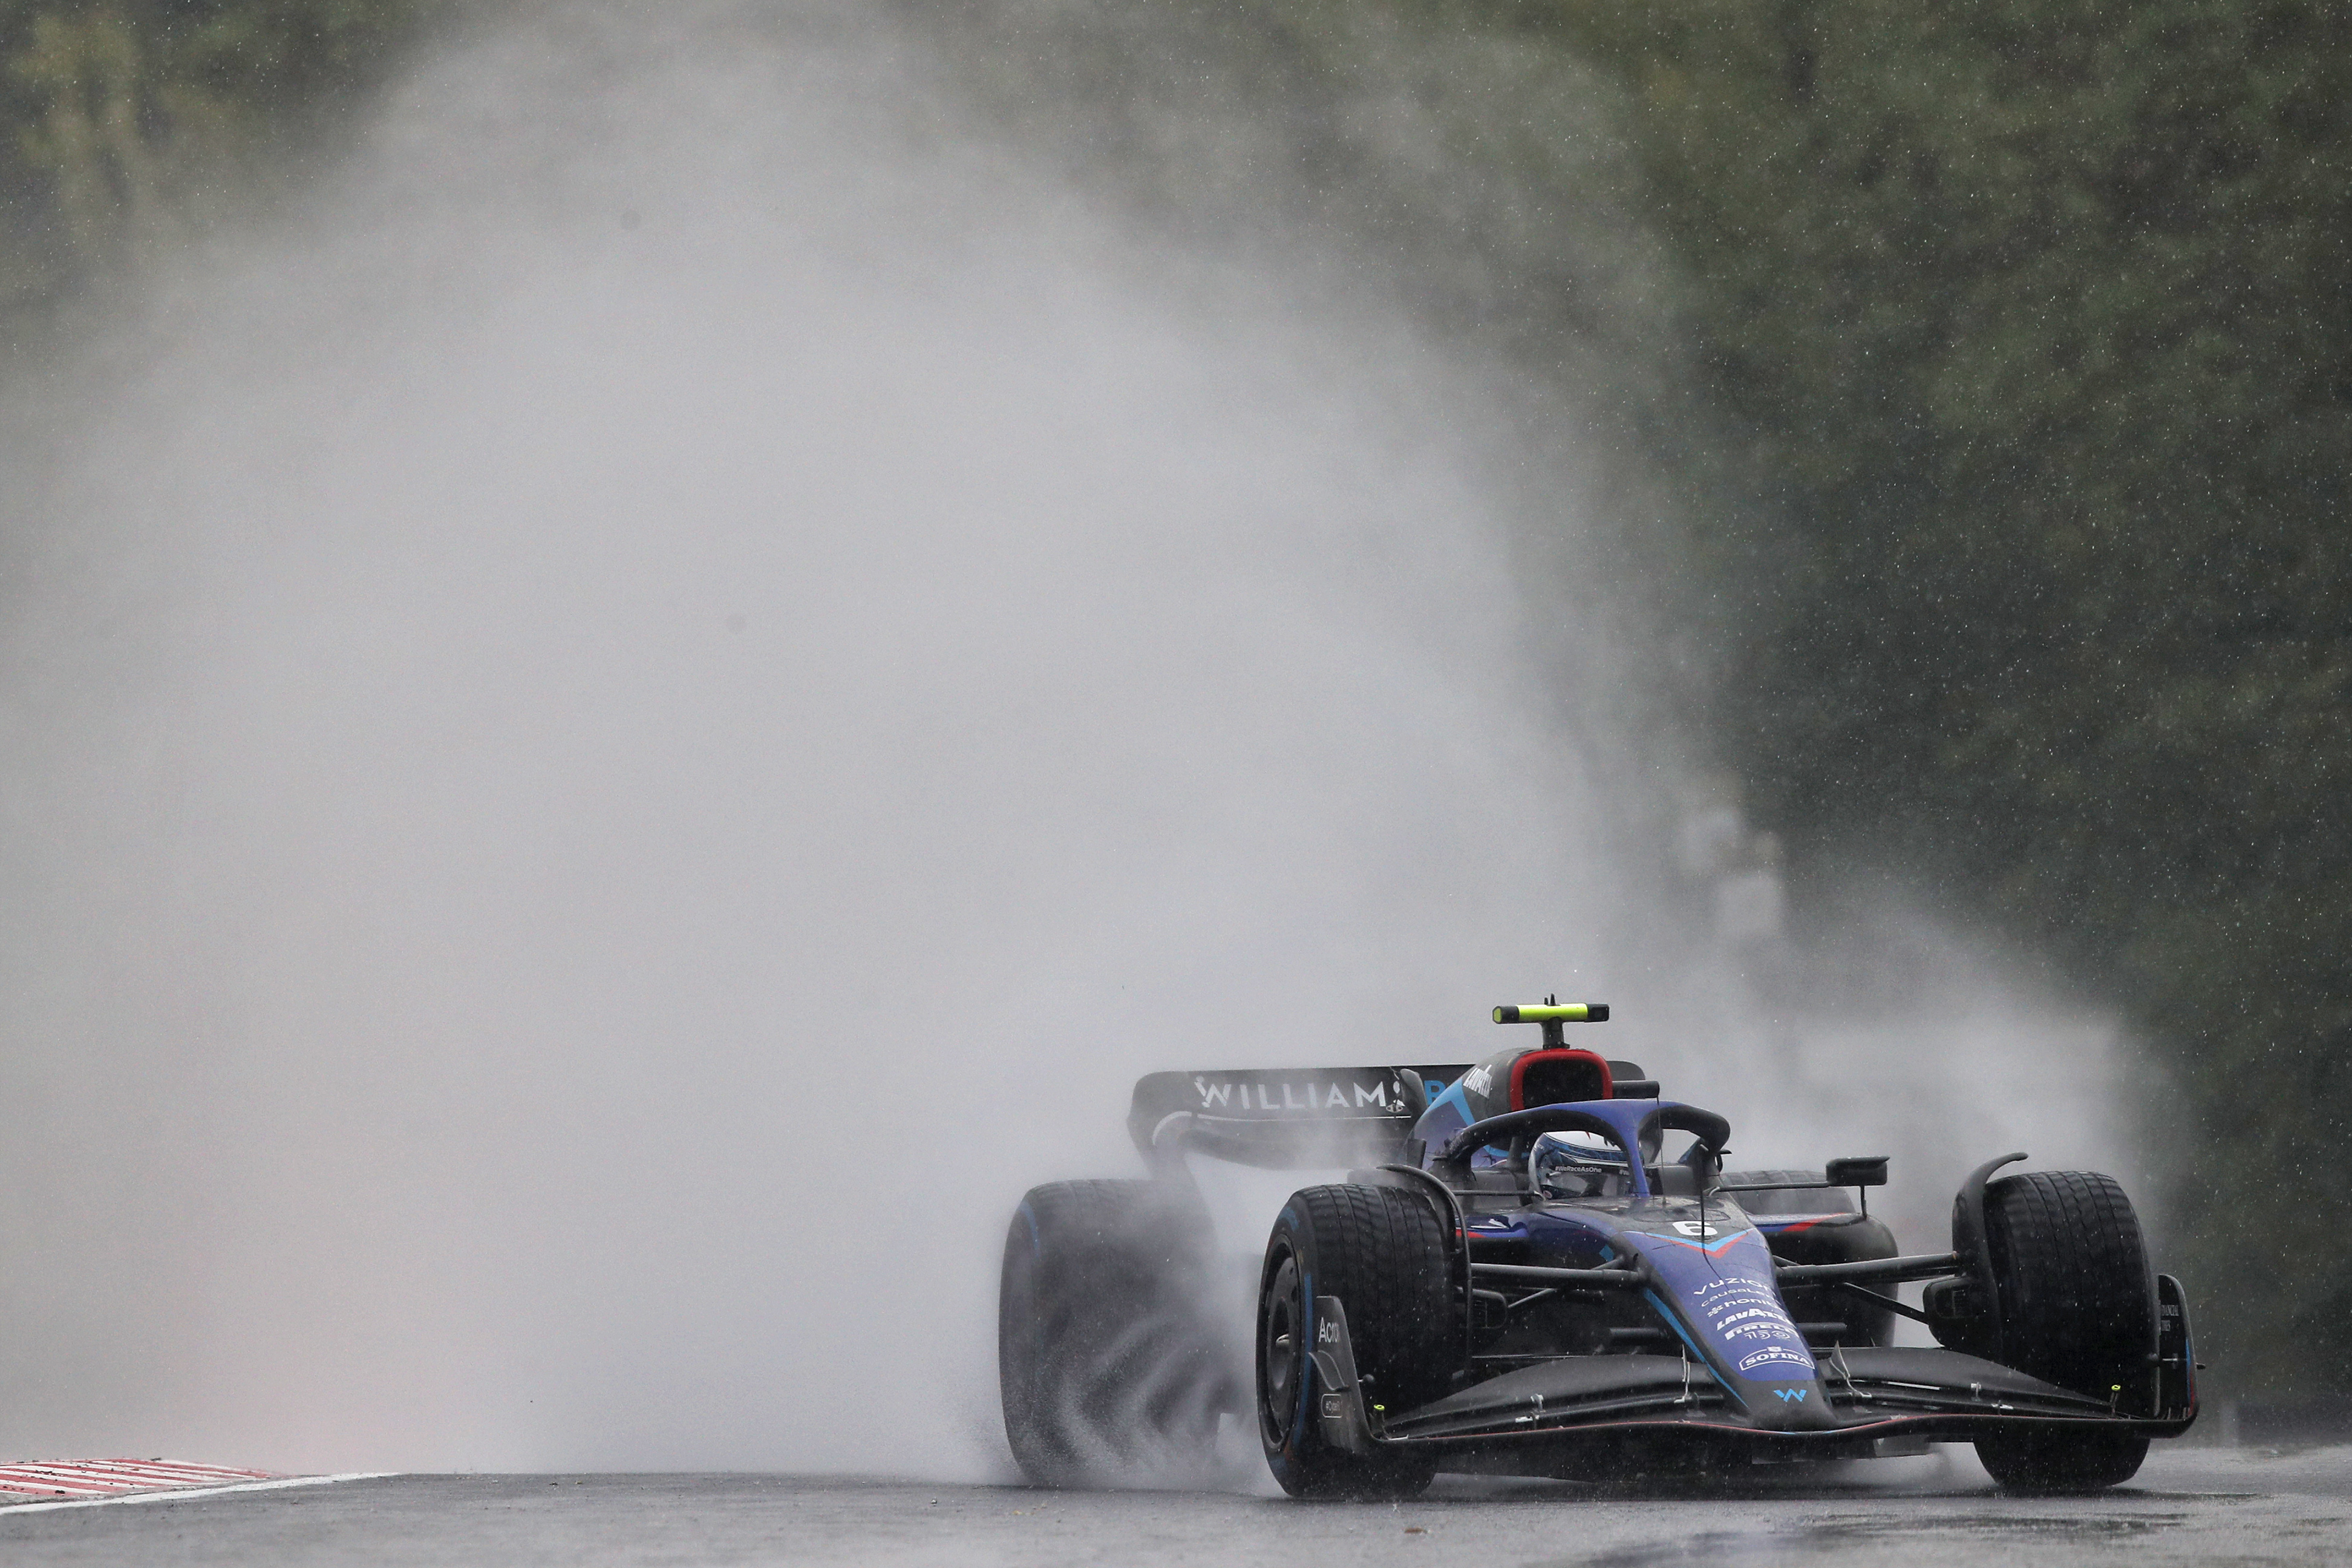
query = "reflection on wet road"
{"x": 2189, "y": 1505}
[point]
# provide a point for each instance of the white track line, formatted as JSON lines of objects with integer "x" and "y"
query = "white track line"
{"x": 9, "y": 1510}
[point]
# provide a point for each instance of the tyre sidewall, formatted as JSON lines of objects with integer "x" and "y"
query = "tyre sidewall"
{"x": 1294, "y": 1449}
{"x": 1023, "y": 1368}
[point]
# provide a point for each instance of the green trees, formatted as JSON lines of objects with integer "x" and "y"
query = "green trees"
{"x": 2038, "y": 313}
{"x": 120, "y": 118}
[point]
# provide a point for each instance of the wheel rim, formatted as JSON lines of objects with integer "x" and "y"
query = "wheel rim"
{"x": 1281, "y": 1350}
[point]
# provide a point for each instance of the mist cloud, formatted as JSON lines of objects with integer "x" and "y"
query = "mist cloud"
{"x": 617, "y": 732}
{"x": 624, "y": 731}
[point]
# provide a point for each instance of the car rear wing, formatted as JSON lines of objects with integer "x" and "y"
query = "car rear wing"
{"x": 1284, "y": 1118}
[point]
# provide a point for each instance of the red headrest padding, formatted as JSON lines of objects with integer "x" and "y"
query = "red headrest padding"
{"x": 1557, "y": 1078}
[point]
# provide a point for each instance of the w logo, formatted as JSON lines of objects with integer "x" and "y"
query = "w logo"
{"x": 1786, "y": 1394}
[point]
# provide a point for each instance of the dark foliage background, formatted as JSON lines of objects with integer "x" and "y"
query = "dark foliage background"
{"x": 2009, "y": 399}
{"x": 122, "y": 122}
{"x": 2036, "y": 314}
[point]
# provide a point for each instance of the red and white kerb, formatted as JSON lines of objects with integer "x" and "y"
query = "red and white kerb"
{"x": 104, "y": 1477}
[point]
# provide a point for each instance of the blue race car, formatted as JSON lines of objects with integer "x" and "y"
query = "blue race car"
{"x": 1518, "y": 1279}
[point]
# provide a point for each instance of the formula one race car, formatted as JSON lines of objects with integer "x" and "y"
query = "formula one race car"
{"x": 1518, "y": 1281}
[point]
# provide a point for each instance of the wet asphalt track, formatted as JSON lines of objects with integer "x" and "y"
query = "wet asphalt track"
{"x": 2189, "y": 1506}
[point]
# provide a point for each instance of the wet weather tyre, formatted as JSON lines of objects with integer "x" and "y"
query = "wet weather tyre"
{"x": 2062, "y": 1461}
{"x": 2076, "y": 1304}
{"x": 1109, "y": 1369}
{"x": 1847, "y": 1237}
{"x": 1801, "y": 1195}
{"x": 1382, "y": 1251}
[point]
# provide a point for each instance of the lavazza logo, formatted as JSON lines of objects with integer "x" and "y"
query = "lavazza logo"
{"x": 1308, "y": 1098}
{"x": 1745, "y": 1313}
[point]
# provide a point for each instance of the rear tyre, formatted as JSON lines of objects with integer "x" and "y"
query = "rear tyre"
{"x": 1107, "y": 1361}
{"x": 1847, "y": 1237}
{"x": 1800, "y": 1197}
{"x": 2077, "y": 1307}
{"x": 1382, "y": 1251}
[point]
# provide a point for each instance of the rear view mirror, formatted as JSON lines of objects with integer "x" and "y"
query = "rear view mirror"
{"x": 1857, "y": 1171}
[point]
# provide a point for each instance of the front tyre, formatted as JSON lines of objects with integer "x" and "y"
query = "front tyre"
{"x": 2077, "y": 1307}
{"x": 1382, "y": 1252}
{"x": 2062, "y": 1460}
